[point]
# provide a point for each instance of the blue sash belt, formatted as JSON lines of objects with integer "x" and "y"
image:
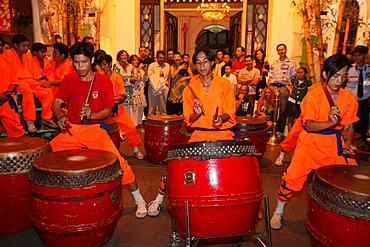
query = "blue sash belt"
{"x": 331, "y": 132}
{"x": 215, "y": 129}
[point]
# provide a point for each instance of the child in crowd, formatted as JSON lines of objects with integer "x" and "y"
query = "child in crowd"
{"x": 231, "y": 77}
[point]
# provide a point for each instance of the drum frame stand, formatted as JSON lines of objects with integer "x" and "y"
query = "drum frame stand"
{"x": 175, "y": 238}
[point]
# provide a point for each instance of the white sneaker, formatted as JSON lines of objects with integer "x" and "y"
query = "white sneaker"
{"x": 154, "y": 208}
{"x": 279, "y": 161}
{"x": 141, "y": 210}
{"x": 276, "y": 221}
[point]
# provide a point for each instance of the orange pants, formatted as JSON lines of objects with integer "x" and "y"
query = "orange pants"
{"x": 91, "y": 137}
{"x": 126, "y": 125}
{"x": 11, "y": 122}
{"x": 28, "y": 87}
{"x": 290, "y": 141}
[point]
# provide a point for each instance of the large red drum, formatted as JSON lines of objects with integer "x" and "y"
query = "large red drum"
{"x": 222, "y": 184}
{"x": 16, "y": 158}
{"x": 114, "y": 132}
{"x": 255, "y": 129}
{"x": 76, "y": 197}
{"x": 161, "y": 131}
{"x": 339, "y": 206}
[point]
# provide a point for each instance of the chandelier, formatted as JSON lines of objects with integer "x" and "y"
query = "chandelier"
{"x": 213, "y": 12}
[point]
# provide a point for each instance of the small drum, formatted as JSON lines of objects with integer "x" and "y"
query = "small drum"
{"x": 222, "y": 184}
{"x": 16, "y": 158}
{"x": 161, "y": 132}
{"x": 76, "y": 197}
{"x": 114, "y": 130}
{"x": 255, "y": 129}
{"x": 339, "y": 206}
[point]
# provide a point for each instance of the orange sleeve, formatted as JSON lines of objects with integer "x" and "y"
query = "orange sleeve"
{"x": 348, "y": 107}
{"x": 118, "y": 87}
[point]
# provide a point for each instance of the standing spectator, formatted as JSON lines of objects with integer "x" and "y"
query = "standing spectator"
{"x": 250, "y": 76}
{"x": 124, "y": 121}
{"x": 138, "y": 96}
{"x": 327, "y": 128}
{"x": 242, "y": 103}
{"x": 230, "y": 76}
{"x": 170, "y": 55}
{"x": 227, "y": 59}
{"x": 158, "y": 73}
{"x": 219, "y": 62}
{"x": 359, "y": 86}
{"x": 261, "y": 64}
{"x": 181, "y": 74}
{"x": 239, "y": 62}
{"x": 298, "y": 89}
{"x": 126, "y": 70}
{"x": 282, "y": 71}
{"x": 145, "y": 60}
{"x": 89, "y": 132}
{"x": 20, "y": 60}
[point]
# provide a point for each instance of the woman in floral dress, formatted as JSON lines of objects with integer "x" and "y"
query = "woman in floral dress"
{"x": 138, "y": 96}
{"x": 126, "y": 70}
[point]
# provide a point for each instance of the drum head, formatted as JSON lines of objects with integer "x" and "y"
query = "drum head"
{"x": 344, "y": 189}
{"x": 72, "y": 168}
{"x": 211, "y": 150}
{"x": 249, "y": 124}
{"x": 165, "y": 118}
{"x": 21, "y": 144}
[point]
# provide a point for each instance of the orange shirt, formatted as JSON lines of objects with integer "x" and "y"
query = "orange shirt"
{"x": 39, "y": 72}
{"x": 221, "y": 94}
{"x": 118, "y": 88}
{"x": 8, "y": 76}
{"x": 25, "y": 68}
{"x": 59, "y": 72}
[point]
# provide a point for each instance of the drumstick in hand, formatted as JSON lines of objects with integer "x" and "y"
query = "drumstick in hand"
{"x": 196, "y": 97}
{"x": 89, "y": 92}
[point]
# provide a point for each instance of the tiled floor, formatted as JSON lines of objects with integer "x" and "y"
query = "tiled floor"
{"x": 132, "y": 232}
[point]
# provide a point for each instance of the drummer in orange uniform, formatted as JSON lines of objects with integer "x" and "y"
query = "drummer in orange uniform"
{"x": 122, "y": 118}
{"x": 21, "y": 61}
{"x": 84, "y": 124}
{"x": 320, "y": 142}
{"x": 8, "y": 115}
{"x": 207, "y": 94}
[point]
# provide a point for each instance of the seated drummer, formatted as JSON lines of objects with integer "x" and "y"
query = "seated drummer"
{"x": 84, "y": 126}
{"x": 243, "y": 108}
{"x": 204, "y": 94}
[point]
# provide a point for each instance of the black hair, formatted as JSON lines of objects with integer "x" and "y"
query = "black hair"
{"x": 249, "y": 56}
{"x": 161, "y": 52}
{"x": 37, "y": 47}
{"x": 62, "y": 48}
{"x": 242, "y": 47}
{"x": 277, "y": 47}
{"x": 207, "y": 52}
{"x": 19, "y": 38}
{"x": 185, "y": 54}
{"x": 104, "y": 57}
{"x": 82, "y": 48}
{"x": 86, "y": 38}
{"x": 263, "y": 55}
{"x": 334, "y": 63}
{"x": 228, "y": 64}
{"x": 304, "y": 69}
{"x": 120, "y": 53}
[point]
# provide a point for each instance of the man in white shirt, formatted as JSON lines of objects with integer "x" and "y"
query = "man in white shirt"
{"x": 158, "y": 73}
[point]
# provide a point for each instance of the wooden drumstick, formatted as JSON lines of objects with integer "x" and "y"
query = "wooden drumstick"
{"x": 196, "y": 97}
{"x": 89, "y": 92}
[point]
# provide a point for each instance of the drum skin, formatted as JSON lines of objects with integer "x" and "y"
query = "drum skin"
{"x": 224, "y": 194}
{"x": 162, "y": 131}
{"x": 78, "y": 204}
{"x": 16, "y": 157}
{"x": 255, "y": 129}
{"x": 114, "y": 136}
{"x": 338, "y": 209}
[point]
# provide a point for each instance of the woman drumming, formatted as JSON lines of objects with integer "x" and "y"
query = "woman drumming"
{"x": 327, "y": 128}
{"x": 126, "y": 70}
{"x": 265, "y": 107}
{"x": 138, "y": 96}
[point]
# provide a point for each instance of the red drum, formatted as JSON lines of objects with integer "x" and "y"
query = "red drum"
{"x": 161, "y": 132}
{"x": 255, "y": 129}
{"x": 16, "y": 158}
{"x": 114, "y": 129}
{"x": 222, "y": 184}
{"x": 76, "y": 197}
{"x": 339, "y": 206}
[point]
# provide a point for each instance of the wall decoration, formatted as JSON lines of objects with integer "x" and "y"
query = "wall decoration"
{"x": 6, "y": 17}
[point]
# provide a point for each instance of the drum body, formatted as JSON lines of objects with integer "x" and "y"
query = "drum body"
{"x": 222, "y": 184}
{"x": 114, "y": 129}
{"x": 255, "y": 129}
{"x": 16, "y": 158}
{"x": 338, "y": 209}
{"x": 76, "y": 197}
{"x": 161, "y": 131}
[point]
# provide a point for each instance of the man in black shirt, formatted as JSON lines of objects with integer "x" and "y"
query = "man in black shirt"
{"x": 146, "y": 60}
